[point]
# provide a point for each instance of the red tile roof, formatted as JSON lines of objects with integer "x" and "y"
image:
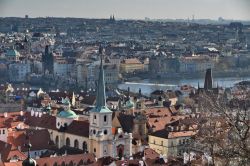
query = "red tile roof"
{"x": 7, "y": 152}
{"x": 79, "y": 159}
{"x": 80, "y": 128}
{"x": 45, "y": 121}
{"x": 39, "y": 139}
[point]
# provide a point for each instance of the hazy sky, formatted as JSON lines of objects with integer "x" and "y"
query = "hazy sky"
{"x": 137, "y": 9}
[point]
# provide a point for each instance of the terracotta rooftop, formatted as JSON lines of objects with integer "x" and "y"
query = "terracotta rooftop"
{"x": 45, "y": 121}
{"x": 39, "y": 139}
{"x": 7, "y": 152}
{"x": 79, "y": 159}
{"x": 80, "y": 128}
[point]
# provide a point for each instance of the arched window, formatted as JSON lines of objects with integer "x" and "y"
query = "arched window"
{"x": 105, "y": 118}
{"x": 67, "y": 142}
{"x": 71, "y": 163}
{"x": 57, "y": 141}
{"x": 63, "y": 163}
{"x": 55, "y": 164}
{"x": 84, "y": 147}
{"x": 94, "y": 132}
{"x": 80, "y": 162}
{"x": 105, "y": 132}
{"x": 76, "y": 144}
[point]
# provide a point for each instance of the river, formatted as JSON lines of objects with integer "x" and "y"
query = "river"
{"x": 147, "y": 85}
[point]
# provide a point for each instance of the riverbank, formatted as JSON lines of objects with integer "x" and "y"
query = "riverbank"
{"x": 149, "y": 85}
{"x": 192, "y": 75}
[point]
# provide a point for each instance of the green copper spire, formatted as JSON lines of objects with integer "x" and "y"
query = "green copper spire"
{"x": 101, "y": 96}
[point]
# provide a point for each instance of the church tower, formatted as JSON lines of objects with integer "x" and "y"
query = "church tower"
{"x": 100, "y": 120}
{"x": 208, "y": 84}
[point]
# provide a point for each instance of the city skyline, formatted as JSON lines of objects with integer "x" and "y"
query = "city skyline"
{"x": 138, "y": 9}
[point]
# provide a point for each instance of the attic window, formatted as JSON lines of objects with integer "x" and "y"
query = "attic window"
{"x": 159, "y": 111}
{"x": 156, "y": 120}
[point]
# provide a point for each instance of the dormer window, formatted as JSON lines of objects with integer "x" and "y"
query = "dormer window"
{"x": 105, "y": 118}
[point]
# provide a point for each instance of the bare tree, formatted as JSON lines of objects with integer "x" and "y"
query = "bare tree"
{"x": 224, "y": 129}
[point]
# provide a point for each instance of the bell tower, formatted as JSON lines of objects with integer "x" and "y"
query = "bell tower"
{"x": 100, "y": 127}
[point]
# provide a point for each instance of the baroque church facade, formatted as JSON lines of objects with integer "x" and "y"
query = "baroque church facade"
{"x": 96, "y": 135}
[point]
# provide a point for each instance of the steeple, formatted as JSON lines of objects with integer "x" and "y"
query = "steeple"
{"x": 101, "y": 95}
{"x": 29, "y": 161}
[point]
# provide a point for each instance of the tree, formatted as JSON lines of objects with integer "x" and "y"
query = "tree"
{"x": 224, "y": 128}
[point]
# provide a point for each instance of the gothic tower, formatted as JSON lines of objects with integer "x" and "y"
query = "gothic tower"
{"x": 208, "y": 84}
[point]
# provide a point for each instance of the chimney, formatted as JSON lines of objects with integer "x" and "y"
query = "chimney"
{"x": 160, "y": 102}
{"x": 5, "y": 114}
{"x": 140, "y": 92}
{"x": 32, "y": 112}
{"x": 46, "y": 50}
{"x": 40, "y": 114}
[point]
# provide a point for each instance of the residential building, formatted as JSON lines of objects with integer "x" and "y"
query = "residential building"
{"x": 194, "y": 64}
{"x": 131, "y": 65}
{"x": 18, "y": 71}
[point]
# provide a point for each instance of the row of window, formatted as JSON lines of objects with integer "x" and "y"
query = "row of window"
{"x": 158, "y": 144}
{"x": 184, "y": 141}
{"x": 76, "y": 144}
{"x": 181, "y": 142}
{"x": 105, "y": 132}
{"x": 2, "y": 131}
{"x": 104, "y": 119}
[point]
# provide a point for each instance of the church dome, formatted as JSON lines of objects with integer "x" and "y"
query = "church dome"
{"x": 29, "y": 162}
{"x": 12, "y": 52}
{"x": 67, "y": 114}
{"x": 129, "y": 104}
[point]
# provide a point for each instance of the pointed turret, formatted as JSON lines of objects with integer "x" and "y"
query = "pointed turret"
{"x": 29, "y": 161}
